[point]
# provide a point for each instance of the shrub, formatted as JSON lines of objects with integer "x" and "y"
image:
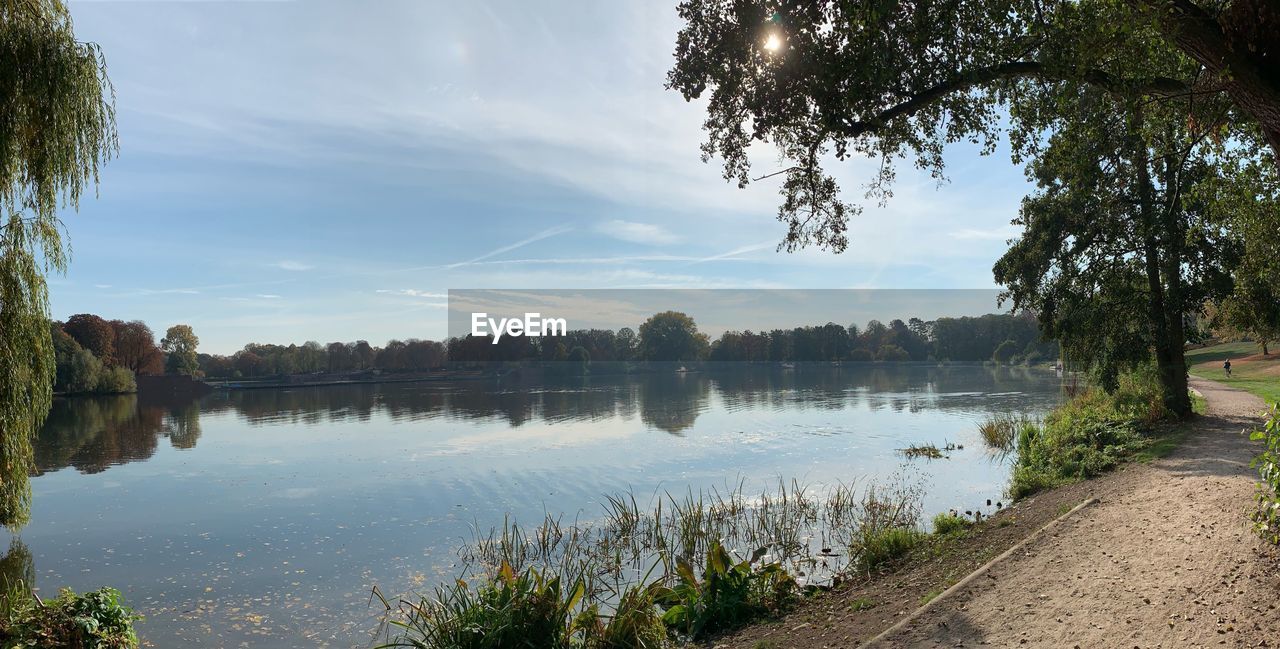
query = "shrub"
{"x": 1267, "y": 519}
{"x": 116, "y": 380}
{"x": 94, "y": 620}
{"x": 728, "y": 595}
{"x": 949, "y": 523}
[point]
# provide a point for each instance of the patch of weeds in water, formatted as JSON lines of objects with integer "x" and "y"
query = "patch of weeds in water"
{"x": 1000, "y": 432}
{"x": 929, "y": 451}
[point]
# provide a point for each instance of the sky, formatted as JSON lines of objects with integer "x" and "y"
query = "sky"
{"x": 327, "y": 171}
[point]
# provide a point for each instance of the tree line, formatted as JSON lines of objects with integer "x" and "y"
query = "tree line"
{"x": 668, "y": 336}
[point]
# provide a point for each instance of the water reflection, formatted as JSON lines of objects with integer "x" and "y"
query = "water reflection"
{"x": 93, "y": 433}
{"x": 262, "y": 517}
{"x": 669, "y": 402}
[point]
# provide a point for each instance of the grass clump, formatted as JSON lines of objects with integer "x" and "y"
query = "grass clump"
{"x": 1001, "y": 431}
{"x": 1088, "y": 435}
{"x": 1266, "y": 521}
{"x": 946, "y": 523}
{"x": 515, "y": 609}
{"x": 93, "y": 620}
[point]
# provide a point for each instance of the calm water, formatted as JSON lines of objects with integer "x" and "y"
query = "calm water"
{"x": 262, "y": 518}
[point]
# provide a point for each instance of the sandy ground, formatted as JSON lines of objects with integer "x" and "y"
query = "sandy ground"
{"x": 1165, "y": 559}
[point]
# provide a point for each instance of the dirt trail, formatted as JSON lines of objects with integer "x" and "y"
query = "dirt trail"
{"x": 1164, "y": 559}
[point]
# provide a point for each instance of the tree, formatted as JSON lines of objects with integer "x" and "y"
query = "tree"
{"x": 179, "y": 345}
{"x": 831, "y": 79}
{"x": 94, "y": 334}
{"x": 1250, "y": 199}
{"x": 1124, "y": 239}
{"x": 671, "y": 336}
{"x": 57, "y": 125}
{"x": 135, "y": 347}
{"x": 626, "y": 343}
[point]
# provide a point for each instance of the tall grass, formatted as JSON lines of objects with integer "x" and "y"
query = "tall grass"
{"x": 610, "y": 576}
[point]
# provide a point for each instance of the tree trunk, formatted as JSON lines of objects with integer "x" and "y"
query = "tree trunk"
{"x": 1170, "y": 360}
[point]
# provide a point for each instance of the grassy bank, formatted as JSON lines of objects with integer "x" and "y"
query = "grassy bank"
{"x": 1250, "y": 370}
{"x": 1090, "y": 434}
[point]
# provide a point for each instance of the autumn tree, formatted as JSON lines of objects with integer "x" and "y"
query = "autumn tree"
{"x": 135, "y": 347}
{"x": 94, "y": 334}
{"x": 179, "y": 345}
{"x": 57, "y": 125}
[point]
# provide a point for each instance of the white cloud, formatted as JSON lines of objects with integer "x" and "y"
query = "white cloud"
{"x": 636, "y": 232}
{"x": 288, "y": 264}
{"x": 994, "y": 234}
{"x": 267, "y": 296}
{"x": 412, "y": 292}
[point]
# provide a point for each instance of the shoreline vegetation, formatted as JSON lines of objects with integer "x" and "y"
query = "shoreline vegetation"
{"x": 698, "y": 565}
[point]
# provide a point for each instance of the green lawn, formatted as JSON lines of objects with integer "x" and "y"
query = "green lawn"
{"x": 1261, "y": 377}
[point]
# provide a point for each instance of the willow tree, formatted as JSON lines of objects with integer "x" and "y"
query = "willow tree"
{"x": 57, "y": 125}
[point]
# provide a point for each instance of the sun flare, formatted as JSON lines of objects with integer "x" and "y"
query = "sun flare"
{"x": 773, "y": 43}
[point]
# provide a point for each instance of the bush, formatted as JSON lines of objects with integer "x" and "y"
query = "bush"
{"x": 116, "y": 380}
{"x": 949, "y": 523}
{"x": 885, "y": 547}
{"x": 94, "y": 620}
{"x": 1267, "y": 519}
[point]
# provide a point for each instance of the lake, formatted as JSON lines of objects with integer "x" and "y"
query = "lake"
{"x": 263, "y": 518}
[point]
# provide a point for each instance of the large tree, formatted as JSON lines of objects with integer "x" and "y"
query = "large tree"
{"x": 1125, "y": 238}
{"x": 94, "y": 334}
{"x": 57, "y": 125}
{"x": 179, "y": 345}
{"x": 671, "y": 336}
{"x": 135, "y": 347}
{"x": 829, "y": 79}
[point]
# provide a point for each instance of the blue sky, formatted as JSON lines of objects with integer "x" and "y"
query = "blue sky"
{"x": 295, "y": 171}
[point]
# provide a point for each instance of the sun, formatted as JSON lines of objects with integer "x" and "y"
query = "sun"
{"x": 773, "y": 43}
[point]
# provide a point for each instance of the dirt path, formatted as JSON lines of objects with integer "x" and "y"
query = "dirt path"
{"x": 1164, "y": 559}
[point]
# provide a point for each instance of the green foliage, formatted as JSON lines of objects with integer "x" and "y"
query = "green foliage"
{"x": 179, "y": 344}
{"x": 93, "y": 620}
{"x": 1001, "y": 431}
{"x": 672, "y": 336}
{"x": 57, "y": 124}
{"x": 728, "y": 595}
{"x": 1088, "y": 435}
{"x": 949, "y": 523}
{"x": 79, "y": 371}
{"x": 1267, "y": 519}
{"x": 1005, "y": 352}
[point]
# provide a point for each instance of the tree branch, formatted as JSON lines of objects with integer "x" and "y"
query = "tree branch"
{"x": 1161, "y": 86}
